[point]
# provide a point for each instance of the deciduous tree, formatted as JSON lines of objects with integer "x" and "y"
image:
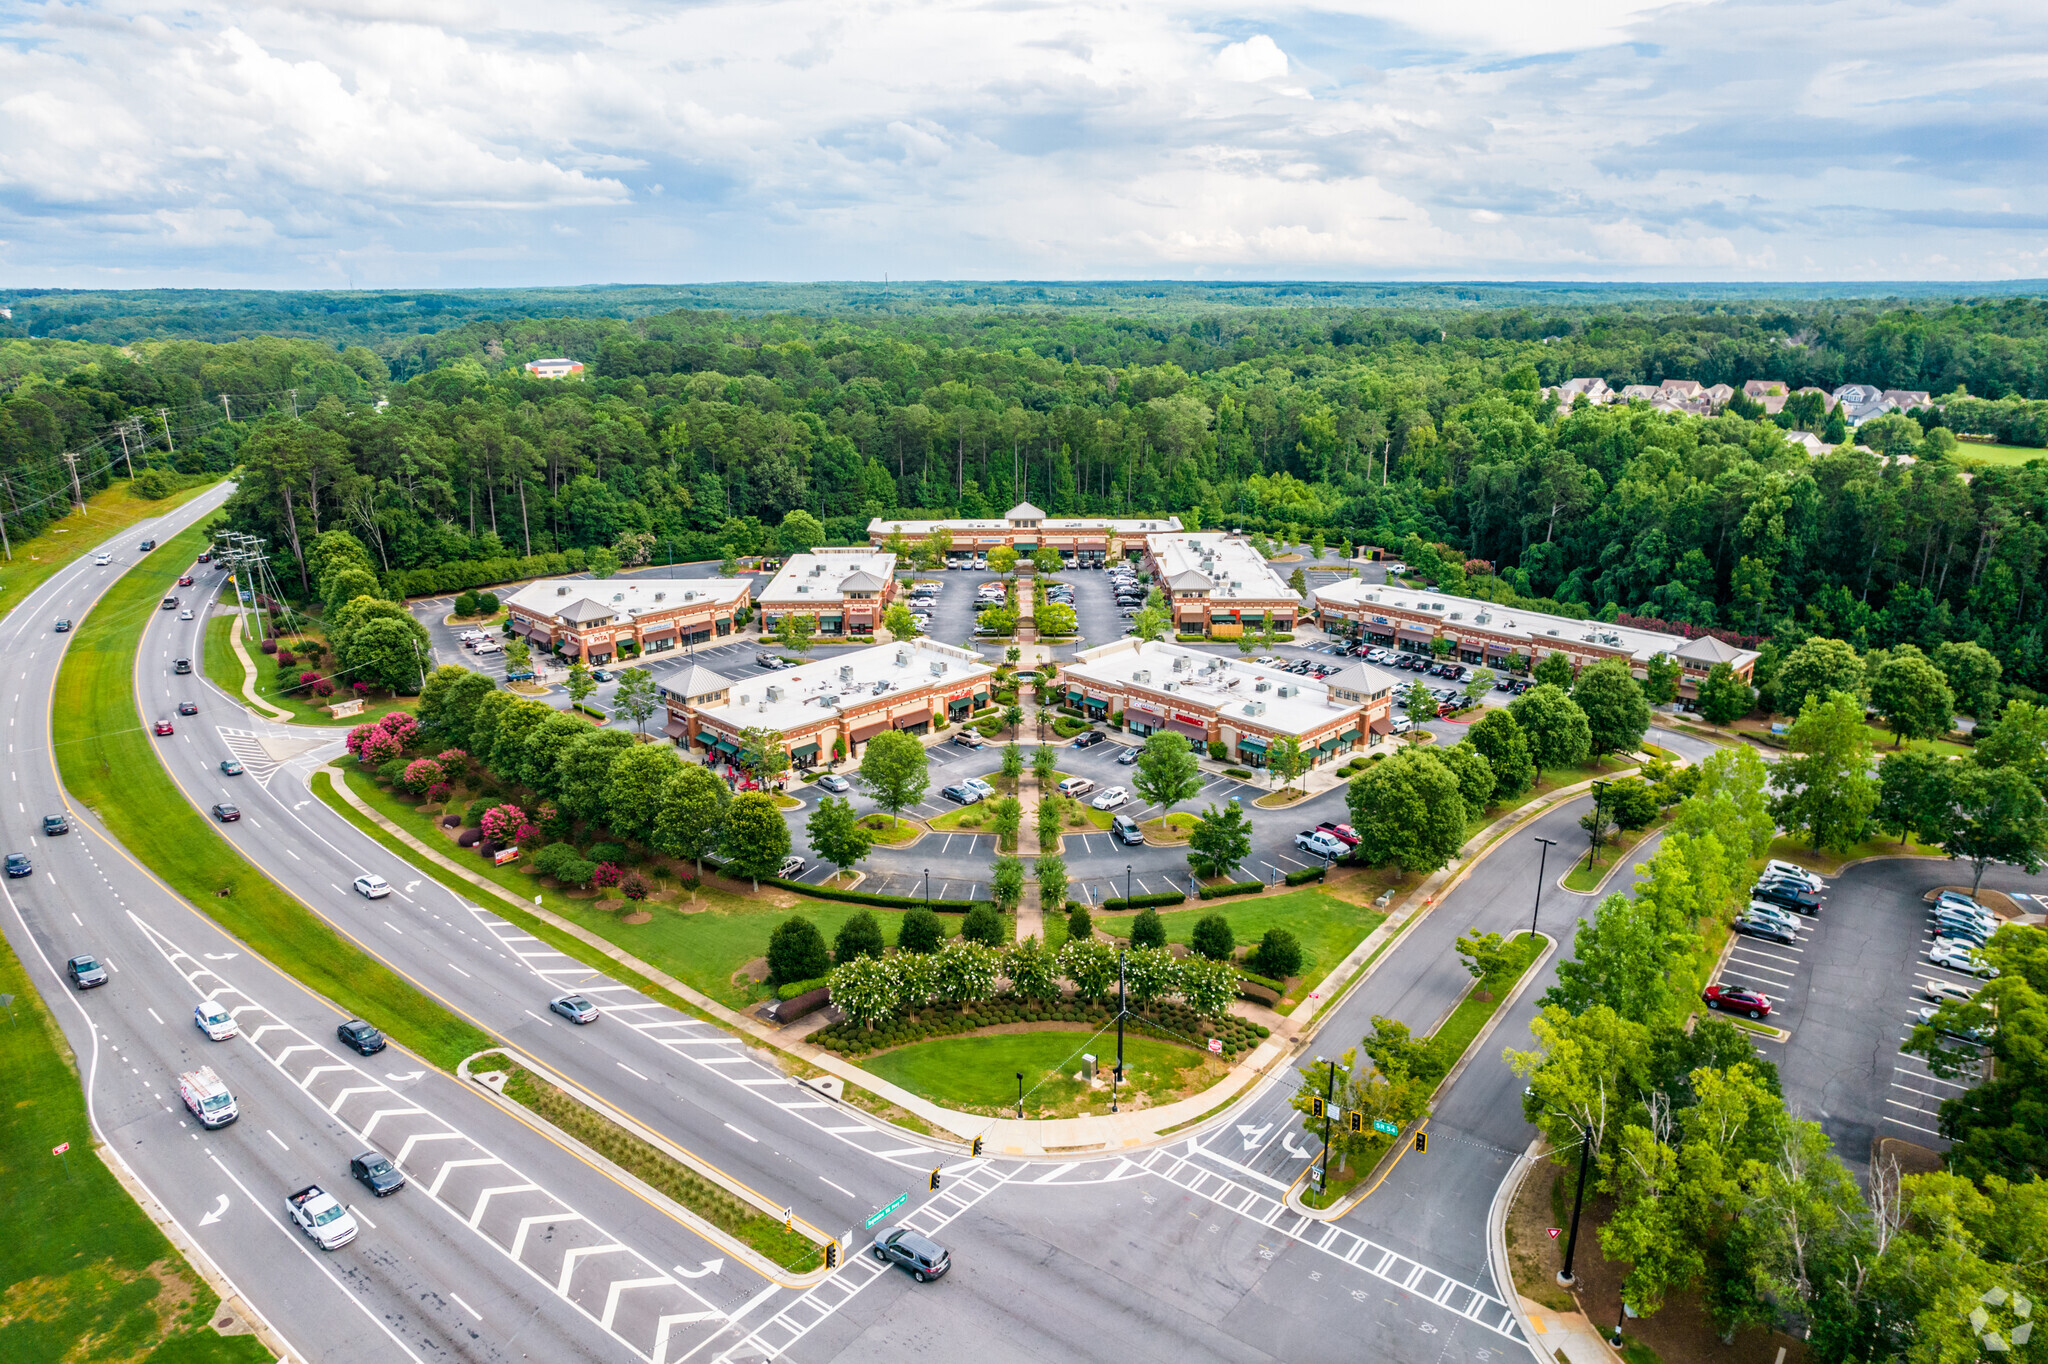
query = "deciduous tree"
{"x": 1825, "y": 790}
{"x": 1408, "y": 812}
{"x": 1912, "y": 695}
{"x": 1166, "y": 773}
{"x": 894, "y": 771}
{"x": 1617, "y": 716}
{"x": 1220, "y": 841}
{"x": 835, "y": 833}
{"x": 1554, "y": 725}
{"x": 754, "y": 840}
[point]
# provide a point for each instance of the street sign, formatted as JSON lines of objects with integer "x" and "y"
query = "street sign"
{"x": 901, "y": 1199}
{"x": 1385, "y": 1128}
{"x": 60, "y": 1148}
{"x": 1553, "y": 1232}
{"x": 1216, "y": 1045}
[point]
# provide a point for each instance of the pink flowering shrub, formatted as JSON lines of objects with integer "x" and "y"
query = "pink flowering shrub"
{"x": 307, "y": 679}
{"x": 440, "y": 791}
{"x": 372, "y": 745}
{"x": 402, "y": 726}
{"x": 633, "y": 886}
{"x": 606, "y": 875}
{"x": 323, "y": 688}
{"x": 361, "y": 689}
{"x": 502, "y": 823}
{"x": 420, "y": 774}
{"x": 451, "y": 757}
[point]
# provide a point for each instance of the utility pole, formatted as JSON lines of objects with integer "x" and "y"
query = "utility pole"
{"x": 295, "y": 404}
{"x": 1117, "y": 1075}
{"x": 225, "y": 408}
{"x": 163, "y": 414}
{"x": 72, "y": 460}
{"x": 122, "y": 428}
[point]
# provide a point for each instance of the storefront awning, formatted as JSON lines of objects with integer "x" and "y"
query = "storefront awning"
{"x": 1326, "y": 745}
{"x": 676, "y": 729}
{"x": 571, "y": 649}
{"x": 1414, "y": 630}
{"x": 912, "y": 720}
{"x": 656, "y": 636}
{"x": 1192, "y": 731}
{"x": 1251, "y": 741}
{"x": 959, "y": 703}
{"x": 1146, "y": 715}
{"x": 1350, "y": 736}
{"x": 1074, "y": 697}
{"x": 805, "y": 749}
{"x": 727, "y": 746}
{"x": 1095, "y": 544}
{"x": 1382, "y": 726}
{"x": 866, "y": 730}
{"x": 981, "y": 698}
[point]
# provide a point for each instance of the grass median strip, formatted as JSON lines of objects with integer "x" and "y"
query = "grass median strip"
{"x": 81, "y": 1262}
{"x": 38, "y": 558}
{"x": 106, "y": 762}
{"x": 647, "y": 1163}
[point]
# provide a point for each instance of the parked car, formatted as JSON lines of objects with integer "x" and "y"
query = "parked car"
{"x": 85, "y": 973}
{"x": 1320, "y": 843}
{"x": 1111, "y": 799}
{"x": 360, "y": 1036}
{"x": 834, "y": 783}
{"x": 1090, "y": 739}
{"x": 960, "y": 795}
{"x": 54, "y": 825}
{"x": 575, "y": 1008}
{"x": 1736, "y": 1000}
{"x": 18, "y": 864}
{"x": 1126, "y": 830}
{"x": 791, "y": 868}
{"x": 1962, "y": 901}
{"x": 603, "y": 675}
{"x": 1960, "y": 956}
{"x": 1962, "y": 930}
{"x": 230, "y": 768}
{"x": 1076, "y": 786}
{"x": 164, "y": 727}
{"x": 1789, "y": 897}
{"x": 1771, "y": 929}
{"x": 372, "y": 886}
{"x": 1759, "y": 910}
{"x": 376, "y": 1173}
{"x": 767, "y": 661}
{"x": 1793, "y": 869}
{"x": 225, "y": 813}
{"x": 1961, "y": 1032}
{"x": 213, "y": 1019}
{"x": 977, "y": 784}
{"x": 1127, "y": 757}
{"x": 188, "y": 708}
{"x": 965, "y": 740}
{"x": 1944, "y": 991}
{"x": 924, "y": 1259}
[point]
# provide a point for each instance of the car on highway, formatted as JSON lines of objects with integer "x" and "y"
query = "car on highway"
{"x": 924, "y": 1259}
{"x": 360, "y": 1036}
{"x": 1786, "y": 897}
{"x": 375, "y": 1172}
{"x": 1944, "y": 991}
{"x": 791, "y": 868}
{"x": 834, "y": 783}
{"x": 102, "y": 560}
{"x": 969, "y": 741}
{"x": 213, "y": 1019}
{"x": 229, "y": 767}
{"x": 1797, "y": 872}
{"x": 1343, "y": 833}
{"x": 1088, "y": 740}
{"x": 225, "y": 813}
{"x": 1125, "y": 830}
{"x": 63, "y": 626}
{"x": 54, "y": 825}
{"x": 164, "y": 727}
{"x": 188, "y": 708}
{"x": 185, "y": 614}
{"x": 85, "y": 972}
{"x": 206, "y": 556}
{"x": 1320, "y": 843}
{"x": 372, "y": 886}
{"x": 1979, "y": 1035}
{"x": 1774, "y": 930}
{"x": 1960, "y": 956}
{"x": 207, "y": 1098}
{"x": 169, "y": 604}
{"x": 182, "y": 667}
{"x": 575, "y": 1008}
{"x": 1111, "y": 799}
{"x": 1736, "y": 1000}
{"x": 18, "y": 864}
{"x": 320, "y": 1215}
{"x": 961, "y": 795}
{"x": 184, "y": 580}
{"x": 1127, "y": 757}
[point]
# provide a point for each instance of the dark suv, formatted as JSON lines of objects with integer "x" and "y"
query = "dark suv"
{"x": 376, "y": 1173}
{"x": 924, "y": 1259}
{"x": 1786, "y": 896}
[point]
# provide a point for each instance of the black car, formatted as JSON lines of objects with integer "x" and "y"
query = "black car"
{"x": 1090, "y": 739}
{"x": 18, "y": 864}
{"x": 226, "y": 814}
{"x": 182, "y": 666}
{"x": 924, "y": 1259}
{"x": 62, "y": 626}
{"x": 55, "y": 824}
{"x": 1766, "y": 928}
{"x": 188, "y": 708}
{"x": 85, "y": 972}
{"x": 376, "y": 1173}
{"x": 360, "y": 1036}
{"x": 1786, "y": 896}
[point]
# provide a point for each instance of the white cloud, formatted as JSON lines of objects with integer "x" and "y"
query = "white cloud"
{"x": 1257, "y": 58}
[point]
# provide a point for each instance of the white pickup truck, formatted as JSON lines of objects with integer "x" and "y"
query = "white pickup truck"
{"x": 321, "y": 1217}
{"x": 207, "y": 1097}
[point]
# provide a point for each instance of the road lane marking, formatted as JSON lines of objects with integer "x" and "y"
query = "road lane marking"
{"x": 632, "y": 1072}
{"x": 465, "y": 1306}
{"x": 748, "y": 1135}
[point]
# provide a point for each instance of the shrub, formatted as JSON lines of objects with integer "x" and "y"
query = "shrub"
{"x": 1147, "y": 930}
{"x": 392, "y": 771}
{"x": 919, "y": 931}
{"x": 1304, "y": 876}
{"x": 373, "y": 745}
{"x": 468, "y": 838}
{"x": 1144, "y": 901}
{"x": 1079, "y": 925}
{"x": 285, "y": 659}
{"x": 1241, "y": 773}
{"x": 1217, "y": 751}
{"x": 550, "y": 861}
{"x": 1232, "y": 888}
{"x": 323, "y": 688}
{"x": 796, "y": 951}
{"x": 440, "y": 791}
{"x": 606, "y": 875}
{"x": 268, "y": 646}
{"x": 634, "y": 886}
{"x": 606, "y": 852}
{"x": 487, "y": 603}
{"x": 574, "y": 871}
{"x": 501, "y": 823}
{"x": 984, "y": 925}
{"x": 1213, "y": 938}
{"x": 1278, "y": 955}
{"x": 859, "y": 936}
{"x": 474, "y": 811}
{"x": 421, "y": 774}
{"x": 465, "y": 605}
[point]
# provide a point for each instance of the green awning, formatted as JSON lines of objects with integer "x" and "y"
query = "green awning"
{"x": 727, "y": 746}
{"x": 1074, "y": 698}
{"x": 804, "y": 750}
{"x": 981, "y": 698}
{"x": 1251, "y": 741}
{"x": 708, "y": 737}
{"x": 1326, "y": 745}
{"x": 1350, "y": 736}
{"x": 1251, "y": 615}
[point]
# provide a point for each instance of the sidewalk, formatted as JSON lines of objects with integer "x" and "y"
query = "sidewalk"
{"x": 249, "y": 674}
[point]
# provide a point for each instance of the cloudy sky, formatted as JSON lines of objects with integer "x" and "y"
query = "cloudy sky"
{"x": 414, "y": 143}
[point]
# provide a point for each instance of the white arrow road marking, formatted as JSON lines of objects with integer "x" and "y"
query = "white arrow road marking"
{"x": 408, "y": 1075}
{"x": 220, "y": 1210}
{"x": 710, "y": 1267}
{"x": 409, "y": 885}
{"x": 1253, "y": 1135}
{"x": 304, "y": 803}
{"x": 1287, "y": 1145}
{"x": 222, "y": 956}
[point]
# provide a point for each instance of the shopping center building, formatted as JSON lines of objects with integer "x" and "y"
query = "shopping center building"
{"x": 1242, "y": 705}
{"x": 1509, "y": 638}
{"x": 593, "y": 619}
{"x": 1217, "y": 584}
{"x": 829, "y": 708}
{"x": 1024, "y": 528}
{"x": 846, "y": 590}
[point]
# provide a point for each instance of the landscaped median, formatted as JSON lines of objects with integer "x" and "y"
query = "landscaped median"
{"x": 106, "y": 762}
{"x": 1326, "y": 928}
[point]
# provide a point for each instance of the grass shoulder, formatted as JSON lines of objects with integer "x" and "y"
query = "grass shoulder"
{"x": 1585, "y": 879}
{"x": 225, "y": 670}
{"x": 61, "y": 542}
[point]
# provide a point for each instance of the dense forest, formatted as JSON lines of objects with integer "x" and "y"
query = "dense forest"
{"x": 695, "y": 431}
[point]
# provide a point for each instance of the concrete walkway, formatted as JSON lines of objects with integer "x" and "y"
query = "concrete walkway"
{"x": 249, "y": 674}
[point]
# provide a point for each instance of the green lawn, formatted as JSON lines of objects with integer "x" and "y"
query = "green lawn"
{"x": 81, "y": 1262}
{"x": 36, "y": 558}
{"x": 1970, "y": 452}
{"x": 1787, "y": 849}
{"x": 703, "y": 950}
{"x": 226, "y": 672}
{"x": 1583, "y": 878}
{"x": 1883, "y": 740}
{"x": 1327, "y": 926}
{"x": 979, "y": 1074}
{"x": 107, "y": 762}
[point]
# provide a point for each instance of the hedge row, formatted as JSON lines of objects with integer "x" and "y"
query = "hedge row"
{"x": 467, "y": 573}
{"x": 1257, "y": 979}
{"x": 1144, "y": 901}
{"x": 1304, "y": 876}
{"x": 856, "y": 897}
{"x": 1232, "y": 888}
{"x": 801, "y": 987}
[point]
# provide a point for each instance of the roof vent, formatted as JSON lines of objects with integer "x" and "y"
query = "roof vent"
{"x": 903, "y": 658}
{"x": 746, "y": 699}
{"x": 774, "y": 694}
{"x": 561, "y": 591}
{"x": 846, "y": 672}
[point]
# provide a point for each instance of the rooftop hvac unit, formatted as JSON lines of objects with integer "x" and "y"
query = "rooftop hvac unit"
{"x": 618, "y": 596}
{"x": 846, "y": 672}
{"x": 1173, "y": 686}
{"x": 774, "y": 693}
{"x": 745, "y": 699}
{"x": 881, "y": 685}
{"x": 662, "y": 596}
{"x": 903, "y": 658}
{"x": 829, "y": 699}
{"x": 803, "y": 587}
{"x": 1255, "y": 708}
{"x": 1180, "y": 664}
{"x": 1142, "y": 675}
{"x": 1286, "y": 692}
{"x": 938, "y": 668}
{"x": 1262, "y": 685}
{"x": 561, "y": 591}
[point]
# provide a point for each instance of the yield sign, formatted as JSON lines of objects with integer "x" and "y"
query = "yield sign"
{"x": 1554, "y": 1231}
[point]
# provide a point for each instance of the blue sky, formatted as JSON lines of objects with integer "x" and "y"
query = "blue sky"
{"x": 395, "y": 144}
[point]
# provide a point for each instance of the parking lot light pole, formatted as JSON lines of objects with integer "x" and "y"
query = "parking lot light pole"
{"x": 1020, "y": 1096}
{"x": 1571, "y": 1245}
{"x": 927, "y": 890}
{"x": 1117, "y": 1075}
{"x": 1127, "y": 885}
{"x": 1542, "y": 862}
{"x": 1593, "y": 839}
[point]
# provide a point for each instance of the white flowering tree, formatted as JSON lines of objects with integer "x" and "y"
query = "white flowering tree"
{"x": 865, "y": 990}
{"x": 967, "y": 971}
{"x": 1091, "y": 964}
{"x": 1149, "y": 974}
{"x": 1206, "y": 986}
{"x": 917, "y": 978}
{"x": 1033, "y": 971}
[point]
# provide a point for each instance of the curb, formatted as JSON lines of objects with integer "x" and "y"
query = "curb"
{"x": 283, "y": 717}
{"x": 1627, "y": 859}
{"x": 1497, "y": 1242}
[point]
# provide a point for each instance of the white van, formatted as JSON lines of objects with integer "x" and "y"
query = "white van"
{"x": 1076, "y": 786}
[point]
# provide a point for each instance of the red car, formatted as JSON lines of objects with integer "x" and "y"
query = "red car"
{"x": 1736, "y": 1000}
{"x": 185, "y": 581}
{"x": 163, "y": 727}
{"x": 1341, "y": 832}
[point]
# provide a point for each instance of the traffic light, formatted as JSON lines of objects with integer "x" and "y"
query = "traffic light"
{"x": 1315, "y": 1109}
{"x": 832, "y": 1255}
{"x": 1421, "y": 1142}
{"x": 977, "y": 1146}
{"x": 1357, "y": 1123}
{"x": 934, "y": 1185}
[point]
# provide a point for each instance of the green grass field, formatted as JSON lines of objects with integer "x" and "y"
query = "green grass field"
{"x": 36, "y": 558}
{"x": 1327, "y": 926}
{"x": 107, "y": 762}
{"x": 979, "y": 1074}
{"x": 225, "y": 670}
{"x": 1970, "y": 452}
{"x": 702, "y": 949}
{"x": 88, "y": 1276}
{"x": 1883, "y": 740}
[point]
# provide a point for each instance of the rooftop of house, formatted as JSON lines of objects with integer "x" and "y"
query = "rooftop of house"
{"x": 1224, "y": 566}
{"x": 599, "y": 601}
{"x": 801, "y": 697}
{"x": 1542, "y": 630}
{"x": 828, "y": 575}
{"x": 1025, "y": 512}
{"x": 1169, "y": 675}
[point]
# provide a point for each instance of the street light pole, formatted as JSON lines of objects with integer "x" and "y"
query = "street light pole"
{"x": 1127, "y": 885}
{"x": 927, "y": 890}
{"x": 1329, "y": 1098}
{"x": 1593, "y": 839}
{"x": 1117, "y": 1075}
{"x": 1542, "y": 862}
{"x": 1571, "y": 1245}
